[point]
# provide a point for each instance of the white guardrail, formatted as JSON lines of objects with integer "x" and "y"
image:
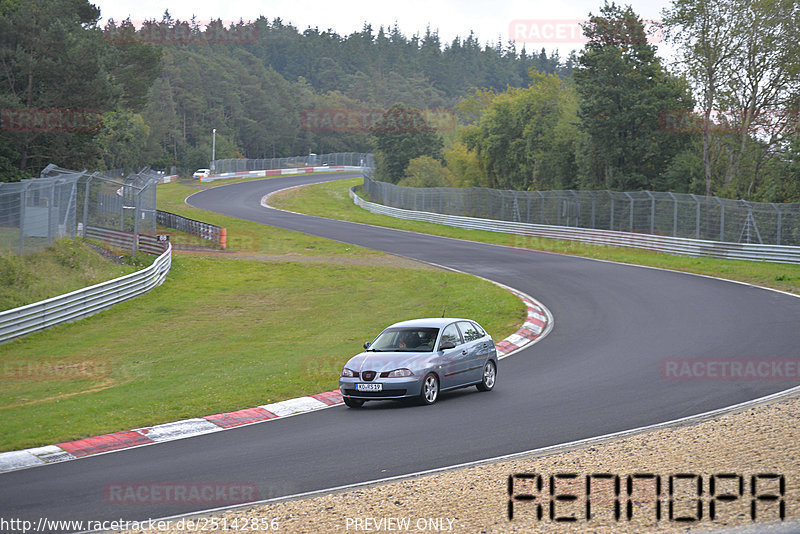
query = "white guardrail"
{"x": 81, "y": 303}
{"x": 658, "y": 243}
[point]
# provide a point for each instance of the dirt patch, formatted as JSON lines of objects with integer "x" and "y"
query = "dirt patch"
{"x": 106, "y": 253}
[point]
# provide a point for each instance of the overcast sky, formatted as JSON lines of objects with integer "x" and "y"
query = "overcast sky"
{"x": 489, "y": 19}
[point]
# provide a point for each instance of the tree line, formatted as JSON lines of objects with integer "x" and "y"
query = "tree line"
{"x": 721, "y": 119}
{"x": 156, "y": 90}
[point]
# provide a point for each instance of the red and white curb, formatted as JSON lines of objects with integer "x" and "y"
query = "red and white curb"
{"x": 537, "y": 324}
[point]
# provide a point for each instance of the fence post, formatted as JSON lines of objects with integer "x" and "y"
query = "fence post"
{"x": 697, "y": 221}
{"x": 778, "y": 209}
{"x": 721, "y": 219}
{"x": 611, "y": 225}
{"x": 136, "y": 195}
{"x": 528, "y": 202}
{"x": 73, "y": 195}
{"x": 652, "y": 212}
{"x": 674, "y": 214}
{"x": 630, "y": 223}
{"x": 122, "y": 210}
{"x": 86, "y": 202}
{"x": 23, "y": 193}
{"x": 50, "y": 206}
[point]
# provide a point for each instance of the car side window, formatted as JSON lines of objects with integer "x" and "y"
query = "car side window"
{"x": 469, "y": 331}
{"x": 451, "y": 334}
{"x": 478, "y": 329}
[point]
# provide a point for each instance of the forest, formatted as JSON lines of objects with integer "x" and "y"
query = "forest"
{"x": 720, "y": 118}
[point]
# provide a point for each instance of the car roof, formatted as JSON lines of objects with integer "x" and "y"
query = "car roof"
{"x": 431, "y": 322}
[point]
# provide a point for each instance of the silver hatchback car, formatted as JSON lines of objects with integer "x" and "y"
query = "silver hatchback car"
{"x": 417, "y": 359}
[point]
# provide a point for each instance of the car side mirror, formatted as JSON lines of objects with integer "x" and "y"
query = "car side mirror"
{"x": 445, "y": 345}
{"x": 366, "y": 344}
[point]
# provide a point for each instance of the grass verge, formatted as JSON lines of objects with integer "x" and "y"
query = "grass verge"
{"x": 332, "y": 200}
{"x": 64, "y": 266}
{"x": 274, "y": 319}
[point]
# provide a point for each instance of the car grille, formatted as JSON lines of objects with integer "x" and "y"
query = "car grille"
{"x": 376, "y": 394}
{"x": 368, "y": 375}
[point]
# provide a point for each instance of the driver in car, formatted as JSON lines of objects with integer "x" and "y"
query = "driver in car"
{"x": 409, "y": 340}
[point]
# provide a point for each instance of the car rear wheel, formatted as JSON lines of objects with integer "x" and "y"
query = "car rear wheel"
{"x": 489, "y": 376}
{"x": 430, "y": 389}
{"x": 353, "y": 403}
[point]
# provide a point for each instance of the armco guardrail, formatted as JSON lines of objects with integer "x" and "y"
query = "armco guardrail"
{"x": 24, "y": 320}
{"x": 203, "y": 230}
{"x": 125, "y": 240}
{"x": 670, "y": 245}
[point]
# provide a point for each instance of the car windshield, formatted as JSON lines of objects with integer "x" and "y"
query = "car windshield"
{"x": 405, "y": 340}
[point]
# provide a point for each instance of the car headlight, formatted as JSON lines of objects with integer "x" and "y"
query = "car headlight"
{"x": 348, "y": 373}
{"x": 400, "y": 373}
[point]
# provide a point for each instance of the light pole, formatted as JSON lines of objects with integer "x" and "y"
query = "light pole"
{"x": 213, "y": 147}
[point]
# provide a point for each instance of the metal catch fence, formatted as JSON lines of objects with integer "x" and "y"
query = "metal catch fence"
{"x": 63, "y": 203}
{"x": 358, "y": 159}
{"x": 645, "y": 212}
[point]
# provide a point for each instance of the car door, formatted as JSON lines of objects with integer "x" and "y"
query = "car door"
{"x": 477, "y": 351}
{"x": 454, "y": 360}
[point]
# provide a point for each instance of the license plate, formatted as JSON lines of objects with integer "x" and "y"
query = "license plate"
{"x": 369, "y": 387}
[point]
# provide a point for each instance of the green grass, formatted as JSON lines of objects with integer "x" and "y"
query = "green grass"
{"x": 225, "y": 332}
{"x": 64, "y": 266}
{"x": 9, "y": 241}
{"x": 332, "y": 200}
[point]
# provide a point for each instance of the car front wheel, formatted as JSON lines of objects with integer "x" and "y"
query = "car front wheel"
{"x": 430, "y": 389}
{"x": 353, "y": 403}
{"x": 489, "y": 376}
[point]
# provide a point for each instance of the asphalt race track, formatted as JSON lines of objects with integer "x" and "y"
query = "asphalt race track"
{"x": 597, "y": 372}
